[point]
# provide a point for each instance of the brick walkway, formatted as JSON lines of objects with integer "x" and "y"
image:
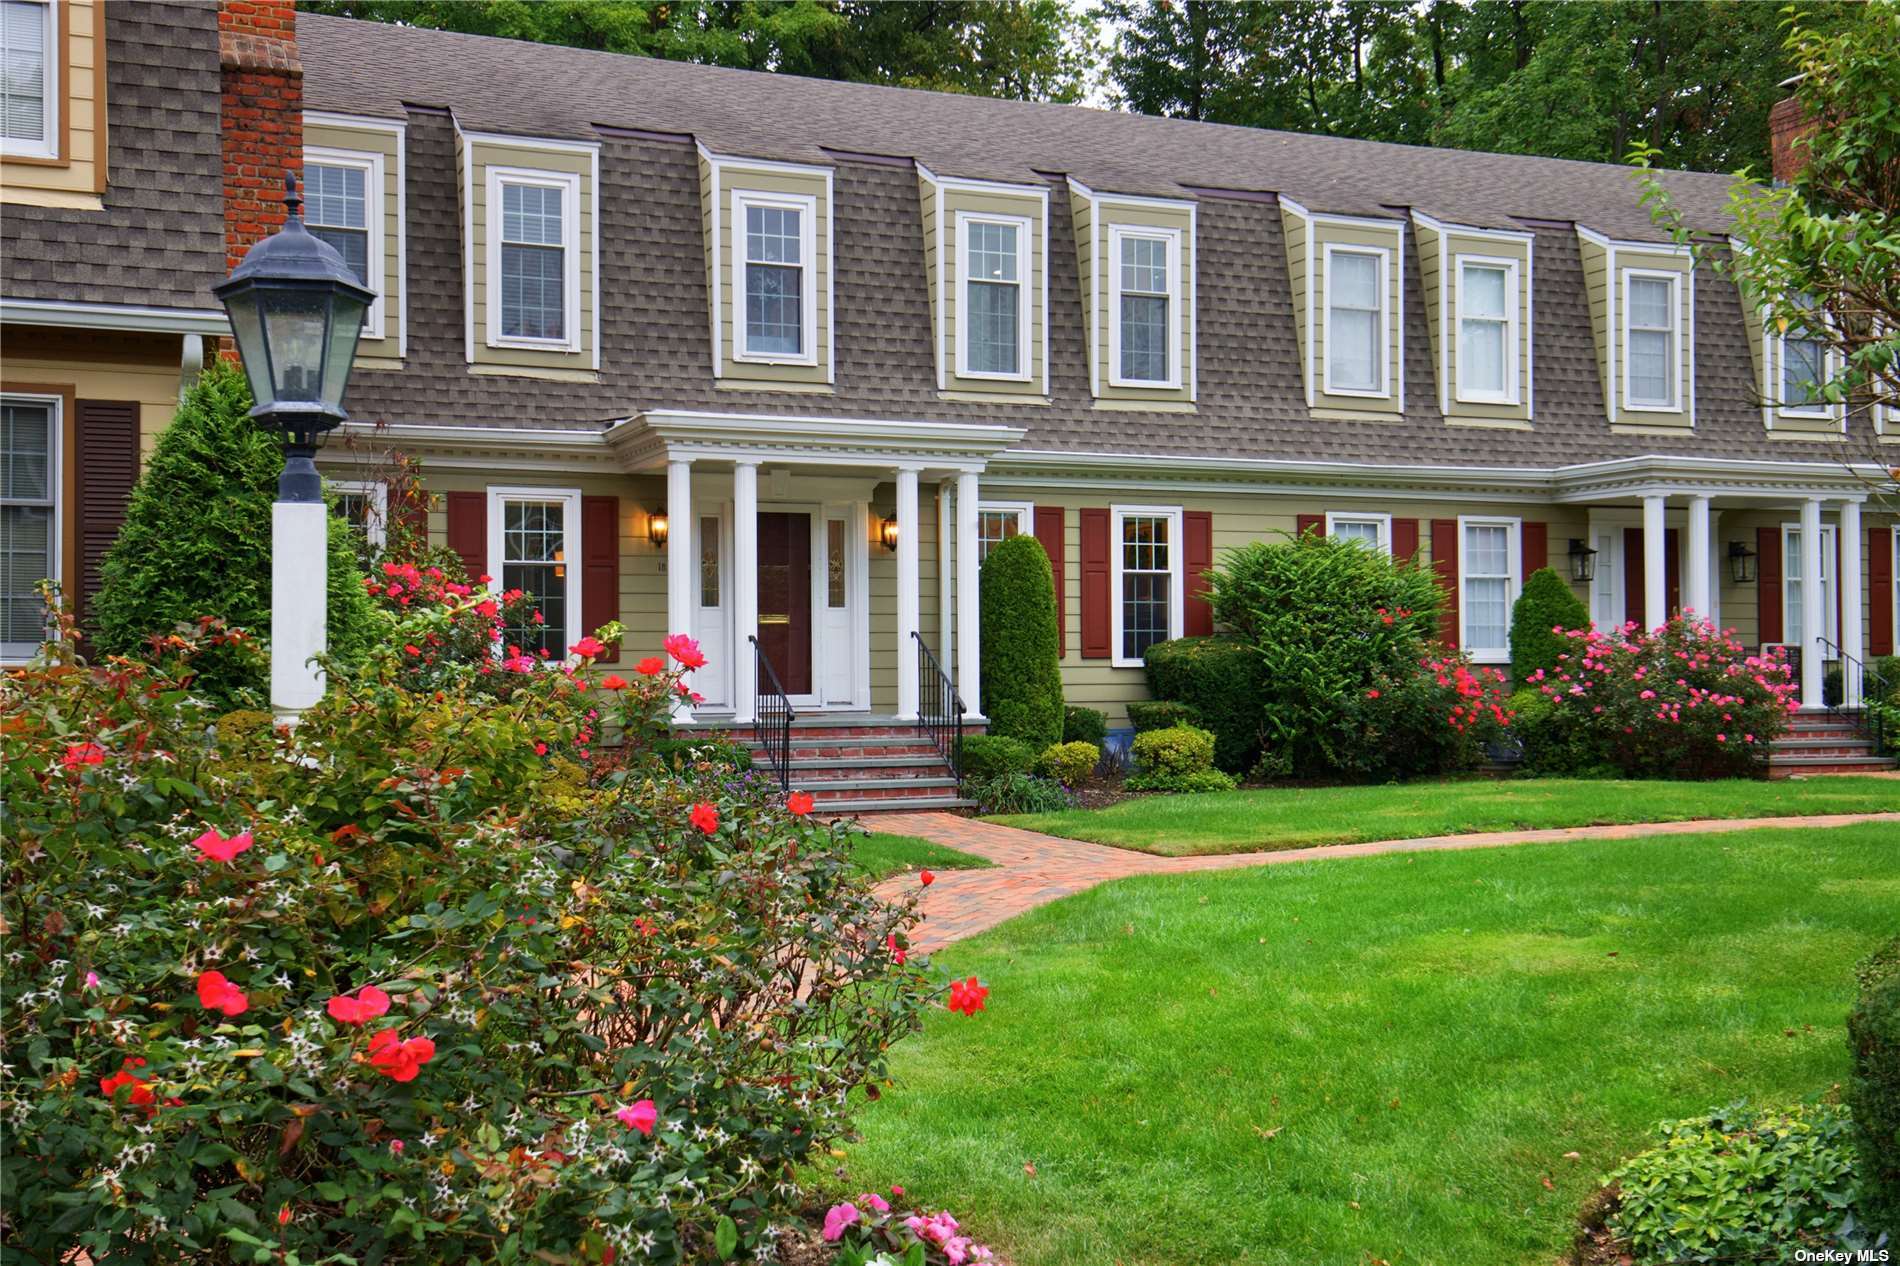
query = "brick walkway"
{"x": 1033, "y": 869}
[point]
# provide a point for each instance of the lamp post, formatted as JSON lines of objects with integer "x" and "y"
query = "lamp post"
{"x": 296, "y": 311}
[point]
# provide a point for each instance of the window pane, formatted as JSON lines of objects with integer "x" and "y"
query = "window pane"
{"x": 1147, "y": 585}
{"x": 23, "y": 73}
{"x": 26, "y": 558}
{"x": 992, "y": 252}
{"x": 1363, "y": 531}
{"x": 534, "y": 551}
{"x": 26, "y": 437}
{"x": 334, "y": 196}
{"x": 1145, "y": 337}
{"x": 351, "y": 244}
{"x": 533, "y": 303}
{"x": 1483, "y": 294}
{"x": 1481, "y": 356}
{"x": 834, "y": 564}
{"x": 992, "y": 528}
{"x": 994, "y": 325}
{"x": 774, "y": 310}
{"x": 1487, "y": 612}
{"x": 773, "y": 236}
{"x": 531, "y": 213}
{"x": 1487, "y": 550}
{"x": 1649, "y": 368}
{"x": 709, "y": 562}
{"x": 1145, "y": 264}
{"x": 1354, "y": 282}
{"x": 1801, "y": 365}
{"x": 1352, "y": 349}
{"x": 1649, "y": 303}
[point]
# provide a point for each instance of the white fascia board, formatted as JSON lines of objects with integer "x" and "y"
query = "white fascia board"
{"x": 360, "y": 122}
{"x": 1470, "y": 230}
{"x": 1627, "y": 244}
{"x": 112, "y": 316}
{"x": 737, "y": 162}
{"x": 547, "y": 143}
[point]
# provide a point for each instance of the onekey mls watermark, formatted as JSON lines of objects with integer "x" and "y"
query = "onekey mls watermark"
{"x": 1844, "y": 1256}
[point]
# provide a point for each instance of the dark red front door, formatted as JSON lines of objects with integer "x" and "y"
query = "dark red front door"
{"x": 1633, "y": 572}
{"x": 785, "y": 598}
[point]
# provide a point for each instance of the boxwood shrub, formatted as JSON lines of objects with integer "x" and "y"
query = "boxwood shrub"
{"x": 1070, "y": 764}
{"x": 1021, "y": 669}
{"x": 1161, "y": 714}
{"x": 1547, "y": 603}
{"x": 987, "y": 756}
{"x": 1219, "y": 678}
{"x": 1873, "y": 1091}
{"x": 1179, "y": 758}
{"x": 1084, "y": 725}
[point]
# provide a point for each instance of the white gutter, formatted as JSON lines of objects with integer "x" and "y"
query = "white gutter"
{"x": 111, "y": 316}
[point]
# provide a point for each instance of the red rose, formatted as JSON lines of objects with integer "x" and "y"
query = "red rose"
{"x": 220, "y": 849}
{"x": 651, "y": 666}
{"x": 967, "y": 996}
{"x": 799, "y": 803}
{"x": 589, "y": 647}
{"x": 705, "y": 817}
{"x": 397, "y": 1059}
{"x": 613, "y": 681}
{"x": 367, "y": 1004}
{"x": 216, "y": 993}
{"x": 685, "y": 650}
{"x": 79, "y": 755}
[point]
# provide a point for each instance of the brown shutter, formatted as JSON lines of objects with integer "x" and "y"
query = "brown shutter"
{"x": 1536, "y": 545}
{"x": 1197, "y": 551}
{"x": 1445, "y": 563}
{"x": 1635, "y": 579}
{"x": 1049, "y": 533}
{"x": 1880, "y": 591}
{"x": 1672, "y": 571}
{"x": 1304, "y": 523}
{"x": 1768, "y": 582}
{"x": 468, "y": 531}
{"x": 1404, "y": 539}
{"x": 107, "y": 461}
{"x": 1097, "y": 626}
{"x": 600, "y": 567}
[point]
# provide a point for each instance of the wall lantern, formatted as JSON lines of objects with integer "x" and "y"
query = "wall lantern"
{"x": 1741, "y": 563}
{"x": 887, "y": 533}
{"x": 1583, "y": 561}
{"x": 656, "y": 527}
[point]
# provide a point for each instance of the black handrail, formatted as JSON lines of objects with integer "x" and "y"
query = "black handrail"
{"x": 1873, "y": 685}
{"x": 772, "y": 715}
{"x": 939, "y": 709}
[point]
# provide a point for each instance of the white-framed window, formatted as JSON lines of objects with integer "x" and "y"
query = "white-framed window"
{"x": 1487, "y": 329}
{"x": 1794, "y": 589}
{"x": 534, "y": 259}
{"x": 997, "y": 521}
{"x": 534, "y": 545}
{"x": 1147, "y": 577}
{"x": 1144, "y": 336}
{"x": 1374, "y": 531}
{"x": 364, "y": 505}
{"x": 1357, "y": 287}
{"x": 1488, "y": 582}
{"x": 775, "y": 251}
{"x": 993, "y": 296}
{"x": 1803, "y": 364}
{"x": 29, "y": 518}
{"x": 343, "y": 205}
{"x": 29, "y": 78}
{"x": 1652, "y": 340}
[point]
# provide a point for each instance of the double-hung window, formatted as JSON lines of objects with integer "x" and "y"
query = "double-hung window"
{"x": 343, "y": 202}
{"x": 1794, "y": 590}
{"x": 1803, "y": 368}
{"x": 534, "y": 544}
{"x": 1487, "y": 330}
{"x": 997, "y": 521}
{"x": 29, "y": 518}
{"x": 1374, "y": 531}
{"x": 534, "y": 258}
{"x": 1652, "y": 348}
{"x": 29, "y": 79}
{"x": 1356, "y": 290}
{"x": 1487, "y": 586}
{"x": 776, "y": 240}
{"x": 1145, "y": 277}
{"x": 993, "y": 331}
{"x": 1148, "y": 579}
{"x": 364, "y": 505}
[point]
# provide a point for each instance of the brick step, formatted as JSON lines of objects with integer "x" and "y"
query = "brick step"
{"x": 826, "y": 790}
{"x": 1808, "y": 766}
{"x": 857, "y": 751}
{"x": 1826, "y": 746}
{"x": 872, "y": 808}
{"x": 901, "y": 770}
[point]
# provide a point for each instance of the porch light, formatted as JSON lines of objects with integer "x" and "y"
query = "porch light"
{"x": 887, "y": 533}
{"x": 656, "y": 527}
{"x": 1741, "y": 563}
{"x": 1583, "y": 561}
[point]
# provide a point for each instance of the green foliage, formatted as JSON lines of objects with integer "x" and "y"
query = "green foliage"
{"x": 1219, "y": 679}
{"x": 1022, "y": 671}
{"x": 714, "y": 750}
{"x": 1013, "y": 791}
{"x": 1180, "y": 758}
{"x": 1551, "y": 746}
{"x": 991, "y": 755}
{"x": 1873, "y": 1091}
{"x": 1070, "y": 764}
{"x": 1546, "y": 603}
{"x": 1739, "y": 1185}
{"x": 1084, "y": 725}
{"x": 197, "y": 542}
{"x": 1161, "y": 714}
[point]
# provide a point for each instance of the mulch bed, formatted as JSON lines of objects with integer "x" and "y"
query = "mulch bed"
{"x": 1595, "y": 1244}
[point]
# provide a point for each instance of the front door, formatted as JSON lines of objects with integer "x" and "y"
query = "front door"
{"x": 785, "y": 597}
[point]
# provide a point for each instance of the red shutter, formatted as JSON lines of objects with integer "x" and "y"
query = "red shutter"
{"x": 1049, "y": 534}
{"x": 1672, "y": 570}
{"x": 1536, "y": 546}
{"x": 1768, "y": 583}
{"x": 107, "y": 461}
{"x": 1880, "y": 591}
{"x": 1197, "y": 551}
{"x": 1445, "y": 563}
{"x": 468, "y": 531}
{"x": 1097, "y": 626}
{"x": 1304, "y": 523}
{"x": 1635, "y": 582}
{"x": 600, "y": 567}
{"x": 1404, "y": 539}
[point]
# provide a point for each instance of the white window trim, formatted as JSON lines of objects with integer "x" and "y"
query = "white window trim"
{"x": 1384, "y": 256}
{"x": 375, "y": 214}
{"x": 1675, "y": 343}
{"x": 1117, "y": 233}
{"x": 1023, "y": 225}
{"x": 1514, "y": 560}
{"x": 1177, "y": 575}
{"x": 570, "y": 499}
{"x": 56, "y": 481}
{"x": 1384, "y": 522}
{"x": 48, "y": 146}
{"x": 376, "y": 528}
{"x": 1513, "y": 331}
{"x": 807, "y": 207}
{"x": 1025, "y": 512}
{"x": 1821, "y": 411}
{"x": 570, "y": 185}
{"x": 1831, "y": 624}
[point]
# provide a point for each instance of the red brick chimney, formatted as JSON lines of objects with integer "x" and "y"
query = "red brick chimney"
{"x": 262, "y": 117}
{"x": 1788, "y": 122}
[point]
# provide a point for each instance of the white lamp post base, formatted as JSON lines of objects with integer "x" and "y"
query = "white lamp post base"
{"x": 299, "y": 605}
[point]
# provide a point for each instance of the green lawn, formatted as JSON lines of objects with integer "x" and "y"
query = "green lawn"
{"x": 1293, "y": 817}
{"x": 885, "y": 854}
{"x": 1382, "y": 1058}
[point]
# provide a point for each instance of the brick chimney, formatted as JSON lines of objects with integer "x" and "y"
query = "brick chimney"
{"x": 262, "y": 117}
{"x": 1788, "y": 122}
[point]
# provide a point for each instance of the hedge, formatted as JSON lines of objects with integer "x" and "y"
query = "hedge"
{"x": 987, "y": 756}
{"x": 1547, "y": 602}
{"x": 1161, "y": 714}
{"x": 1021, "y": 668}
{"x": 1084, "y": 725}
{"x": 1873, "y": 1089}
{"x": 1220, "y": 679}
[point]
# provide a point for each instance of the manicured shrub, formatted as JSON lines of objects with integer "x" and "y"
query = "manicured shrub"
{"x": 713, "y": 750}
{"x": 1545, "y": 608}
{"x": 1180, "y": 758}
{"x": 1161, "y": 714}
{"x": 1084, "y": 725}
{"x": 1873, "y": 1091}
{"x": 1070, "y": 764}
{"x": 197, "y": 542}
{"x": 1551, "y": 745}
{"x": 991, "y": 755}
{"x": 1739, "y": 1185}
{"x": 1219, "y": 677}
{"x": 1022, "y": 671}
{"x": 1013, "y": 791}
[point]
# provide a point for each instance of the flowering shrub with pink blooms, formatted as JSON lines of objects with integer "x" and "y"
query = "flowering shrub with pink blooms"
{"x": 1684, "y": 701}
{"x": 870, "y": 1232}
{"x": 382, "y": 995}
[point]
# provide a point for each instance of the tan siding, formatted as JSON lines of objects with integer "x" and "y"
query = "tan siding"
{"x": 483, "y": 155}
{"x": 1425, "y": 240}
{"x": 1298, "y": 231}
{"x": 1082, "y": 219}
{"x": 933, "y": 261}
{"x": 1108, "y": 215}
{"x": 76, "y": 174}
{"x": 730, "y": 296}
{"x": 1596, "y": 282}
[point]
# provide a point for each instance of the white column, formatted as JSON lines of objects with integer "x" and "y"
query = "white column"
{"x": 1655, "y": 562}
{"x": 969, "y": 666}
{"x": 1696, "y": 581}
{"x": 680, "y": 572}
{"x": 745, "y": 587}
{"x": 1813, "y": 618}
{"x": 299, "y": 604}
{"x": 1850, "y": 581}
{"x": 907, "y": 593}
{"x": 946, "y": 529}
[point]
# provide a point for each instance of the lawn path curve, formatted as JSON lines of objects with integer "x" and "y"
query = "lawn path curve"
{"x": 1033, "y": 869}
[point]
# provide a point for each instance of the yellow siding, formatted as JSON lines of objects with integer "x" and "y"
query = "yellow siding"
{"x": 814, "y": 184}
{"x": 933, "y": 254}
{"x": 480, "y": 156}
{"x": 1109, "y": 214}
{"x": 75, "y": 176}
{"x": 1596, "y": 282}
{"x": 384, "y": 352}
{"x": 1426, "y": 239}
{"x": 959, "y": 201}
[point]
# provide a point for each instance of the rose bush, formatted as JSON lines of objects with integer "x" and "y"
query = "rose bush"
{"x": 870, "y": 1232}
{"x": 399, "y": 990}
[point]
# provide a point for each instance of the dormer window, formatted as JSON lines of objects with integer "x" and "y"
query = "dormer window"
{"x": 1803, "y": 361}
{"x": 1145, "y": 279}
{"x": 1487, "y": 330}
{"x": 777, "y": 253}
{"x": 1356, "y": 289}
{"x": 29, "y": 80}
{"x": 994, "y": 333}
{"x": 1652, "y": 340}
{"x": 533, "y": 259}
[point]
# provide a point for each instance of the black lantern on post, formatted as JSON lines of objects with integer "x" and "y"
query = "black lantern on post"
{"x": 1583, "y": 561}
{"x": 1741, "y": 563}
